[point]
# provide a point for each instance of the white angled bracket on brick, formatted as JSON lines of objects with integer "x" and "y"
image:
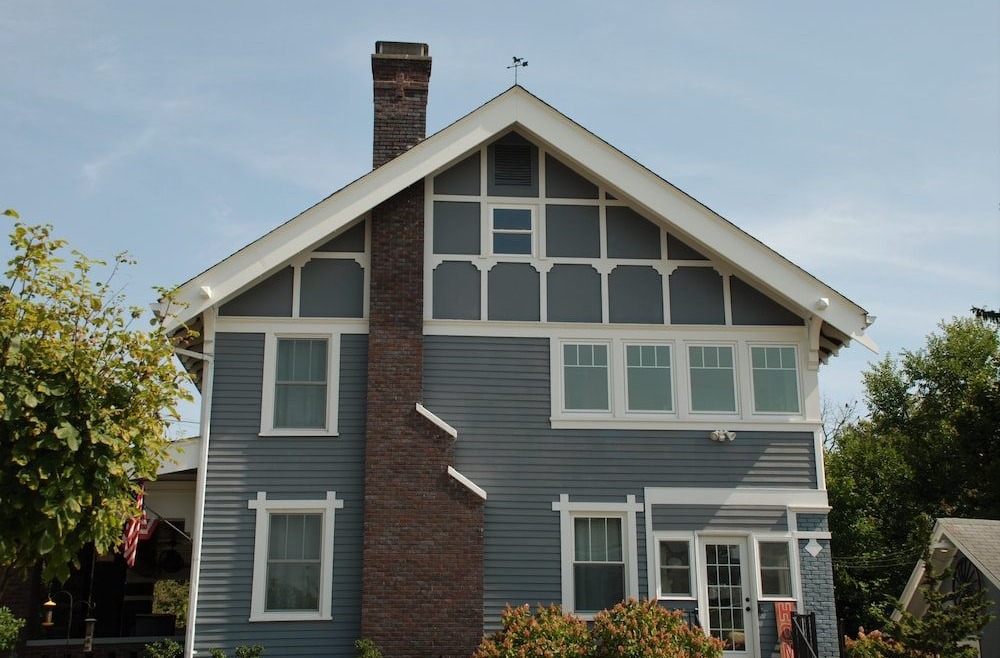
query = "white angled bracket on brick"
{"x": 431, "y": 416}
{"x": 469, "y": 484}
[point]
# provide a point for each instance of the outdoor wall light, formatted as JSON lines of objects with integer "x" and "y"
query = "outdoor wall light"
{"x": 723, "y": 435}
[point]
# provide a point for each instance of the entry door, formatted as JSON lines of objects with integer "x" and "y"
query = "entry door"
{"x": 728, "y": 610}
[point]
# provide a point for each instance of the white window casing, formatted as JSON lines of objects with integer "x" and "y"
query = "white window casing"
{"x": 568, "y": 513}
{"x": 268, "y": 509}
{"x": 269, "y": 419}
{"x": 774, "y": 378}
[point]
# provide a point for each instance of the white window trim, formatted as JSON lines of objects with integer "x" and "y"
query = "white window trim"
{"x": 532, "y": 232}
{"x": 626, "y": 511}
{"x": 268, "y": 383}
{"x": 654, "y": 413}
{"x": 585, "y": 413}
{"x": 264, "y": 507}
{"x": 799, "y": 367}
{"x": 737, "y": 369}
{"x": 793, "y": 566}
{"x": 688, "y": 537}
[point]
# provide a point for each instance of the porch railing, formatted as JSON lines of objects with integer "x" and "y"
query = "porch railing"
{"x": 804, "y": 641}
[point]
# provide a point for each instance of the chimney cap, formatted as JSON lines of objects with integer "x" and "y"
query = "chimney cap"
{"x": 401, "y": 49}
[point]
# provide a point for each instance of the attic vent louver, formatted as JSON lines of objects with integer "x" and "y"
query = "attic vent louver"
{"x": 512, "y": 163}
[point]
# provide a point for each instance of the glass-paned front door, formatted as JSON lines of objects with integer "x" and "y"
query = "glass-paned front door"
{"x": 730, "y": 614}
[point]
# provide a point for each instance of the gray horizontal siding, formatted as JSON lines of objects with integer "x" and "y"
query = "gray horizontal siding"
{"x": 241, "y": 463}
{"x": 496, "y": 393}
{"x": 699, "y": 517}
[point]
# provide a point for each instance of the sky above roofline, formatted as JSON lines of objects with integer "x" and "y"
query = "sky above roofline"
{"x": 860, "y": 141}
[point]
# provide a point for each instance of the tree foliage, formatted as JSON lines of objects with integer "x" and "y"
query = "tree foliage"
{"x": 954, "y": 614}
{"x": 84, "y": 403}
{"x": 929, "y": 447}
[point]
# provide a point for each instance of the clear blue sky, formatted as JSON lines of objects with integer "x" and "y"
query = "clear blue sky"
{"x": 859, "y": 139}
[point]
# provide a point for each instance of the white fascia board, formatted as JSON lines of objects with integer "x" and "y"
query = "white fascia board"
{"x": 434, "y": 418}
{"x": 182, "y": 455}
{"x": 518, "y": 107}
{"x": 467, "y": 483}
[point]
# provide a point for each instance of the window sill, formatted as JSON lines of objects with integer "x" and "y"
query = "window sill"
{"x": 298, "y": 433}
{"x": 677, "y": 598}
{"x": 675, "y": 423}
{"x": 289, "y": 616}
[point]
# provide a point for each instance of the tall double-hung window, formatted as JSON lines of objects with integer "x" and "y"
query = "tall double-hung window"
{"x": 299, "y": 391}
{"x": 713, "y": 378}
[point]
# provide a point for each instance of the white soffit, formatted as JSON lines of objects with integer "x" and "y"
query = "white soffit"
{"x": 515, "y": 108}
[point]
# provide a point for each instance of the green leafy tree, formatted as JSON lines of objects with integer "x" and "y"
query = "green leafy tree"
{"x": 929, "y": 447}
{"x": 953, "y": 616}
{"x": 85, "y": 399}
{"x": 10, "y": 628}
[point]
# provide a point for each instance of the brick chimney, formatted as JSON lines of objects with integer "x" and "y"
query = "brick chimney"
{"x": 401, "y": 73}
{"x": 422, "y": 560}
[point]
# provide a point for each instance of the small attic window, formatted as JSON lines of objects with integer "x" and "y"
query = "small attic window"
{"x": 513, "y": 167}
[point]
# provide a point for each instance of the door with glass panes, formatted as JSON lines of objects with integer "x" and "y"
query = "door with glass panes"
{"x": 728, "y": 610}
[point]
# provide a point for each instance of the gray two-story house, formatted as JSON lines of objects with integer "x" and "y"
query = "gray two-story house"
{"x": 510, "y": 365}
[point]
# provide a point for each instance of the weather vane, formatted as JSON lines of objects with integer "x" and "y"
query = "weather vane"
{"x": 519, "y": 62}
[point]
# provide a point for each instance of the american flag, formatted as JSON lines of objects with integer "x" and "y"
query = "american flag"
{"x": 132, "y": 527}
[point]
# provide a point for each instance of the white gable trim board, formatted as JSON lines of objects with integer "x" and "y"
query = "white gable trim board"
{"x": 517, "y": 108}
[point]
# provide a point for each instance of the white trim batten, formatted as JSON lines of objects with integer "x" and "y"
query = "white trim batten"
{"x": 467, "y": 483}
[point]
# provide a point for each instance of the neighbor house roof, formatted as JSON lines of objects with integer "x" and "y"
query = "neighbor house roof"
{"x": 838, "y": 318}
{"x": 978, "y": 540}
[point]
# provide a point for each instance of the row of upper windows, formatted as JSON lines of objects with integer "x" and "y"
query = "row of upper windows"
{"x": 592, "y": 370}
{"x": 609, "y": 378}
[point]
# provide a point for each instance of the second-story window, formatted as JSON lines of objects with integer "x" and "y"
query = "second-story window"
{"x": 713, "y": 378}
{"x": 300, "y": 383}
{"x": 775, "y": 383}
{"x": 648, "y": 378}
{"x": 585, "y": 377}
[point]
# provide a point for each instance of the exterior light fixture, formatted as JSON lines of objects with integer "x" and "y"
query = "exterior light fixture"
{"x": 723, "y": 435}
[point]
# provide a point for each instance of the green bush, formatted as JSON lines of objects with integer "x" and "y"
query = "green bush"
{"x": 548, "y": 633}
{"x": 255, "y": 651}
{"x": 367, "y": 649}
{"x": 171, "y": 597}
{"x": 163, "y": 649}
{"x": 644, "y": 629}
{"x": 872, "y": 645}
{"x": 10, "y": 628}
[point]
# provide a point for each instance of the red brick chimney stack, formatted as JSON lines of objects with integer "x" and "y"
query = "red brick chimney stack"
{"x": 401, "y": 73}
{"x": 422, "y": 561}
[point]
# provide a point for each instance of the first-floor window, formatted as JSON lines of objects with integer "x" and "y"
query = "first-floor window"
{"x": 675, "y": 568}
{"x": 597, "y": 558}
{"x": 294, "y": 549}
{"x": 775, "y": 569}
{"x": 598, "y": 563}
{"x": 293, "y": 558}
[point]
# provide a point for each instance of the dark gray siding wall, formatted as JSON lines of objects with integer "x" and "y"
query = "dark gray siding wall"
{"x": 496, "y": 393}
{"x": 241, "y": 463}
{"x": 698, "y": 517}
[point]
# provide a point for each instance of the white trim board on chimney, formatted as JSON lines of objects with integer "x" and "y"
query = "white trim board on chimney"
{"x": 518, "y": 109}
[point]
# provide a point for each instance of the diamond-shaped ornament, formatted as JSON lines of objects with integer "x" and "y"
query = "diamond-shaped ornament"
{"x": 813, "y": 548}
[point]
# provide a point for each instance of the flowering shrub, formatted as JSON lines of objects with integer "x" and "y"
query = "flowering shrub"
{"x": 873, "y": 645}
{"x": 644, "y": 629}
{"x": 545, "y": 634}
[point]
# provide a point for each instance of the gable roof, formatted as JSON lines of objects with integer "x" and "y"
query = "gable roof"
{"x": 518, "y": 109}
{"x": 976, "y": 539}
